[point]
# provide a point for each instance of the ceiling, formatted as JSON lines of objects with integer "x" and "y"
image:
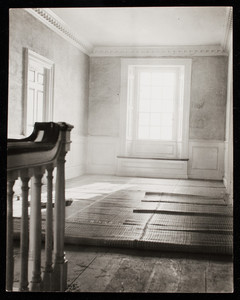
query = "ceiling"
{"x": 147, "y": 26}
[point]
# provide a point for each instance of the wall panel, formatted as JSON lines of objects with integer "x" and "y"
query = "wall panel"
{"x": 206, "y": 159}
{"x": 152, "y": 168}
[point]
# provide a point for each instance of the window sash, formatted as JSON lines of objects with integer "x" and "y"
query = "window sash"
{"x": 150, "y": 106}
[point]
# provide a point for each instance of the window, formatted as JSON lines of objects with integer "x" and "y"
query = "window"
{"x": 155, "y": 98}
{"x": 38, "y": 102}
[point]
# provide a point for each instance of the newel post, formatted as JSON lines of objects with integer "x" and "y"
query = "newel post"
{"x": 60, "y": 262}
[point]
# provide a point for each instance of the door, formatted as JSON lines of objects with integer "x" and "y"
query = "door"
{"x": 39, "y": 91}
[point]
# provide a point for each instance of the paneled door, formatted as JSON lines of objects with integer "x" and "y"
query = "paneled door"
{"x": 39, "y": 91}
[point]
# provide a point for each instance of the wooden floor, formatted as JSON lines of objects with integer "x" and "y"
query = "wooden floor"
{"x": 108, "y": 269}
{"x": 117, "y": 270}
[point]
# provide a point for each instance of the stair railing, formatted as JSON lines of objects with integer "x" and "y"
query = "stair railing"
{"x": 28, "y": 159}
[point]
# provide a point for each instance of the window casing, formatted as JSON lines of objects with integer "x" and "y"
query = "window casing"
{"x": 155, "y": 111}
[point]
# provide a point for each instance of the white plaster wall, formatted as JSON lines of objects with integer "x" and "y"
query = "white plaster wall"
{"x": 102, "y": 155}
{"x": 104, "y": 117}
{"x": 208, "y": 98}
{"x": 104, "y": 99}
{"x": 71, "y": 82}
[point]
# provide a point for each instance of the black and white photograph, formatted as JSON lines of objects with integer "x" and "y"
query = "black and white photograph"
{"x": 120, "y": 150}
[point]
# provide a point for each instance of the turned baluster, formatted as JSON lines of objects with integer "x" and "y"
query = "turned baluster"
{"x": 60, "y": 264}
{"x": 9, "y": 256}
{"x": 47, "y": 286}
{"x": 35, "y": 231}
{"x": 23, "y": 285}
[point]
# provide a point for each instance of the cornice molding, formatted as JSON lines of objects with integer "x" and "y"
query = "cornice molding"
{"x": 47, "y": 17}
{"x": 228, "y": 28}
{"x": 159, "y": 51}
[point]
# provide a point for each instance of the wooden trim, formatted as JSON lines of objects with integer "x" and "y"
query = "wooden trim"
{"x": 206, "y": 159}
{"x": 153, "y": 158}
{"x": 154, "y": 168}
{"x": 25, "y": 91}
{"x": 228, "y": 28}
{"x": 166, "y": 51}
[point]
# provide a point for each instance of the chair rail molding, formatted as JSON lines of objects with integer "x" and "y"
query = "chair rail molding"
{"x": 51, "y": 20}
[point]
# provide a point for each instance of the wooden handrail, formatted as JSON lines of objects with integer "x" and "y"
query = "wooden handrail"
{"x": 28, "y": 159}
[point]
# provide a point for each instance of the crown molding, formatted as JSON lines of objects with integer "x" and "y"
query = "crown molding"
{"x": 51, "y": 20}
{"x": 228, "y": 28}
{"x": 55, "y": 23}
{"x": 210, "y": 50}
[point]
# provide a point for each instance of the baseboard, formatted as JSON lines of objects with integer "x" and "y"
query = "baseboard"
{"x": 225, "y": 181}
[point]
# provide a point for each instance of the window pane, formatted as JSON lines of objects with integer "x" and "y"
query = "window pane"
{"x": 169, "y": 78}
{"x": 155, "y": 119}
{"x": 144, "y": 106}
{"x": 143, "y": 132}
{"x": 166, "y": 133}
{"x": 145, "y": 78}
{"x": 156, "y": 92}
{"x": 156, "y": 106}
{"x": 144, "y": 119}
{"x": 145, "y": 92}
{"x": 166, "y": 119}
{"x": 168, "y": 93}
{"x": 157, "y": 78}
{"x": 154, "y": 133}
{"x": 167, "y": 106}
